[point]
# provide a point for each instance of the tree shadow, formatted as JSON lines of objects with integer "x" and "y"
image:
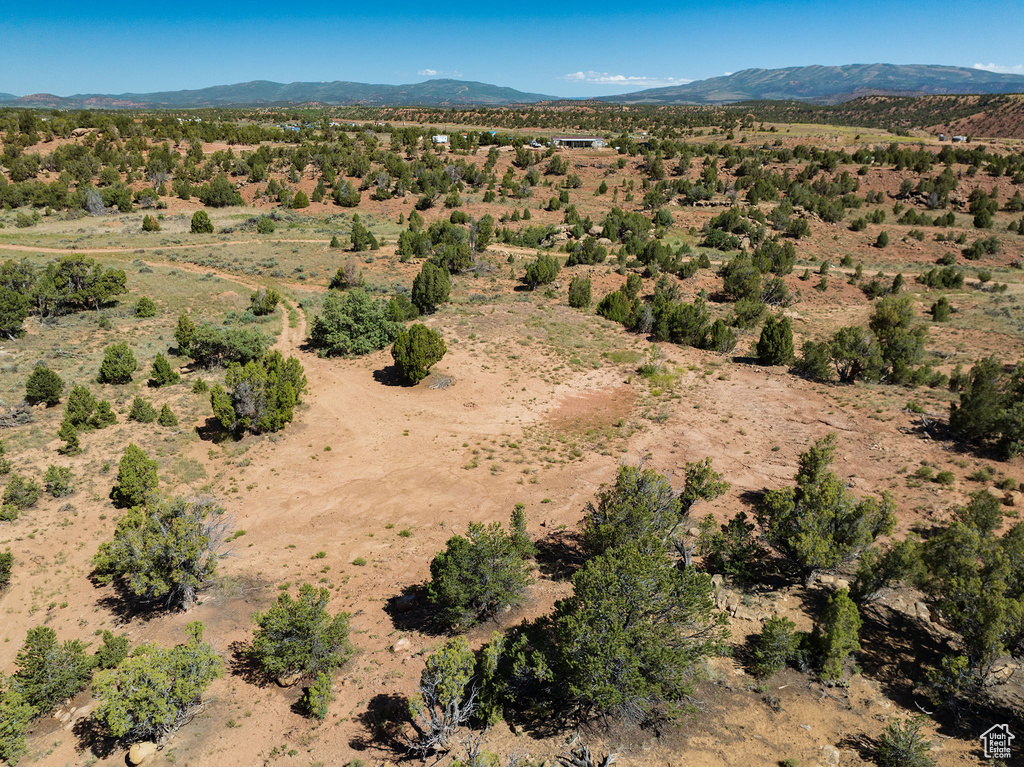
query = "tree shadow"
{"x": 383, "y": 723}
{"x": 560, "y": 554}
{"x": 411, "y": 611}
{"x": 92, "y": 737}
{"x": 865, "y": 746}
{"x": 389, "y": 376}
{"x": 212, "y": 431}
{"x": 243, "y": 665}
{"x": 124, "y": 604}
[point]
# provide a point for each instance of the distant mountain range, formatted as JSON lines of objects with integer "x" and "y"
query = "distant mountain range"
{"x": 829, "y": 85}
{"x": 432, "y": 93}
{"x": 813, "y": 84}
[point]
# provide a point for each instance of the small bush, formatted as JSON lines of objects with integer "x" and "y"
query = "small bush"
{"x": 167, "y": 418}
{"x": 142, "y": 411}
{"x": 150, "y": 224}
{"x": 200, "y": 387}
{"x": 776, "y": 646}
{"x": 415, "y": 350}
{"x": 162, "y": 373}
{"x": 118, "y": 365}
{"x": 21, "y": 493}
{"x": 58, "y": 481}
{"x": 579, "y": 292}
{"x": 43, "y": 385}
{"x": 201, "y": 223}
{"x": 265, "y": 225}
{"x": 941, "y": 310}
{"x": 264, "y": 301}
{"x": 113, "y": 650}
{"x": 318, "y": 696}
{"x": 145, "y": 307}
{"x": 903, "y": 745}
{"x": 136, "y": 478}
{"x": 6, "y": 564}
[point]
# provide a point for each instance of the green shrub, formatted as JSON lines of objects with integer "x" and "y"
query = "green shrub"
{"x": 167, "y": 418}
{"x": 259, "y": 397}
{"x": 430, "y": 288}
{"x": 775, "y": 346}
{"x": 142, "y": 411}
{"x": 113, "y": 650}
{"x": 201, "y": 223}
{"x": 43, "y": 385}
{"x": 416, "y": 349}
{"x": 162, "y": 374}
{"x": 145, "y": 307}
{"x": 200, "y": 386}
{"x": 48, "y": 672}
{"x": 58, "y": 481}
{"x": 543, "y": 271}
{"x": 21, "y": 493}
{"x": 837, "y": 636}
{"x": 118, "y": 365}
{"x": 941, "y": 310}
{"x": 150, "y": 224}
{"x": 477, "y": 576}
{"x": 136, "y": 478}
{"x": 401, "y": 309}
{"x": 351, "y": 324}
{"x": 150, "y": 694}
{"x": 579, "y": 292}
{"x": 6, "y": 564}
{"x": 264, "y": 301}
{"x": 903, "y": 745}
{"x": 883, "y": 240}
{"x": 299, "y": 636}
{"x": 318, "y": 696}
{"x": 265, "y": 225}
{"x": 776, "y": 646}
{"x": 164, "y": 551}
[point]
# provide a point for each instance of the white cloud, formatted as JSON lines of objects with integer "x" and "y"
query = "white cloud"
{"x": 591, "y": 77}
{"x": 1002, "y": 69}
{"x": 440, "y": 73}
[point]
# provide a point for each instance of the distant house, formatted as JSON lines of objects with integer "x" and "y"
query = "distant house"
{"x": 578, "y": 142}
{"x": 440, "y": 138}
{"x": 959, "y": 139}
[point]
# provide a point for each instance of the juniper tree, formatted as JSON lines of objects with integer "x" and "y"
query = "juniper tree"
{"x": 156, "y": 690}
{"x": 162, "y": 373}
{"x": 165, "y": 551}
{"x": 259, "y": 397}
{"x": 445, "y": 700}
{"x": 43, "y": 385}
{"x": 118, "y": 365}
{"x": 416, "y": 350}
{"x": 50, "y": 672}
{"x": 477, "y": 576}
{"x": 136, "y": 478}
{"x": 300, "y": 637}
{"x": 818, "y": 526}
{"x": 630, "y": 636}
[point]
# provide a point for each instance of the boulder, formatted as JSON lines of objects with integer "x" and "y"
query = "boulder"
{"x": 921, "y": 611}
{"x": 289, "y": 680}
{"x": 829, "y": 755}
{"x": 140, "y": 752}
{"x": 401, "y": 644}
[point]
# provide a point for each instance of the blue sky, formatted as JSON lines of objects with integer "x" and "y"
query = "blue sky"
{"x": 590, "y": 48}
